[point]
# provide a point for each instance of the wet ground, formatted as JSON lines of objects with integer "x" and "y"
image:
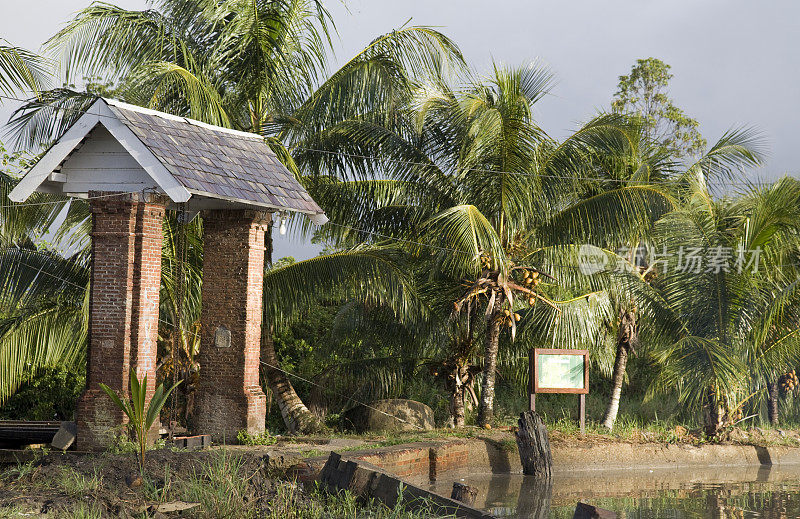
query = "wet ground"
{"x": 723, "y": 492}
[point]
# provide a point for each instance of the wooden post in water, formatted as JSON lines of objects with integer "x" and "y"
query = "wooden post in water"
{"x": 464, "y": 493}
{"x": 584, "y": 511}
{"x": 534, "y": 446}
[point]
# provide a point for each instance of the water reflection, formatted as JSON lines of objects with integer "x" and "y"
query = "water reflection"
{"x": 718, "y": 493}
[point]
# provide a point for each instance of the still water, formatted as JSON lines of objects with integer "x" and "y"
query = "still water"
{"x": 719, "y": 493}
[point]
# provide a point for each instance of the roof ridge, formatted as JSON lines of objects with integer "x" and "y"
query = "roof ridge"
{"x": 149, "y": 111}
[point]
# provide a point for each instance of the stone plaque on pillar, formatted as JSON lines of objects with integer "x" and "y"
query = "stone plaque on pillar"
{"x": 222, "y": 337}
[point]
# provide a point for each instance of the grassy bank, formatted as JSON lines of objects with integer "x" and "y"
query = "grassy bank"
{"x": 222, "y": 484}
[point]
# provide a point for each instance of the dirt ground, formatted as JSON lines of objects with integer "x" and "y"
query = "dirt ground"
{"x": 110, "y": 485}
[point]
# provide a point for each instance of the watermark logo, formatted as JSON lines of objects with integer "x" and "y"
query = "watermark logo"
{"x": 591, "y": 260}
{"x": 694, "y": 260}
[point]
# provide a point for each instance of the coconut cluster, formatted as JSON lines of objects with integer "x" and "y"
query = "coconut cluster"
{"x": 788, "y": 381}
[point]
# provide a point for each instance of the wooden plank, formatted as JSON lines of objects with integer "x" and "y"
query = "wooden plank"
{"x": 56, "y": 154}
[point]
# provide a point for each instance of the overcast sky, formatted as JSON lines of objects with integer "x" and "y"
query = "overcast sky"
{"x": 735, "y": 62}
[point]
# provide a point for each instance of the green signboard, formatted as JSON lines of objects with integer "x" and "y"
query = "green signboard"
{"x": 560, "y": 371}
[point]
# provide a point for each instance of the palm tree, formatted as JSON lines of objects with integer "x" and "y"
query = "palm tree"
{"x": 368, "y": 274}
{"x": 43, "y": 319}
{"x": 735, "y": 150}
{"x": 42, "y": 287}
{"x": 734, "y": 321}
{"x": 469, "y": 182}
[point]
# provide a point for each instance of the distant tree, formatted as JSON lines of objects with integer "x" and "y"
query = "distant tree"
{"x": 644, "y": 92}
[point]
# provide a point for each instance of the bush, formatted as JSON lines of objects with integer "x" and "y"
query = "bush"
{"x": 49, "y": 394}
{"x": 245, "y": 438}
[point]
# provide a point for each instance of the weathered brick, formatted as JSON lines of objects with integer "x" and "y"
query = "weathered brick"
{"x": 123, "y": 307}
{"x": 229, "y": 396}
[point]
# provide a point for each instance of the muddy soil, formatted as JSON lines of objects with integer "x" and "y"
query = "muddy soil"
{"x": 110, "y": 485}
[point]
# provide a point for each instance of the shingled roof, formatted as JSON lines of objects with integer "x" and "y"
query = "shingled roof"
{"x": 186, "y": 159}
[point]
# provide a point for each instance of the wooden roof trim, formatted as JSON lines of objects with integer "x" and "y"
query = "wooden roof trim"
{"x": 99, "y": 113}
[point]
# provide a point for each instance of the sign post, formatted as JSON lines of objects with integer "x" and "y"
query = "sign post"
{"x": 560, "y": 371}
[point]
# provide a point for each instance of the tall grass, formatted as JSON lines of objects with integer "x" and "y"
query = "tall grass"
{"x": 222, "y": 486}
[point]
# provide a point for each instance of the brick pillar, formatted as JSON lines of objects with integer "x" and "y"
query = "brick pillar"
{"x": 229, "y": 397}
{"x": 123, "y": 308}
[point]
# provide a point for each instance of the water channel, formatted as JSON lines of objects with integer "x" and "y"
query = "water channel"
{"x": 719, "y": 493}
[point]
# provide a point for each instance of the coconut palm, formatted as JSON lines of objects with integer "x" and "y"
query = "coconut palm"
{"x": 257, "y": 66}
{"x": 368, "y": 274}
{"x": 42, "y": 299}
{"x": 734, "y": 317}
{"x": 469, "y": 182}
{"x": 43, "y": 320}
{"x": 735, "y": 150}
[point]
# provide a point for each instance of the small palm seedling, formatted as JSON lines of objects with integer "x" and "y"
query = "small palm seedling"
{"x": 140, "y": 416}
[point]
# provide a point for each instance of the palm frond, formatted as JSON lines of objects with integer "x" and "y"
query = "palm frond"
{"x": 21, "y": 70}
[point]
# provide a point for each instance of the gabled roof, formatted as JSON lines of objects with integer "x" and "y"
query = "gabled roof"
{"x": 188, "y": 160}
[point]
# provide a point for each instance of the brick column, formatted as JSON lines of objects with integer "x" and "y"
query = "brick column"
{"x": 229, "y": 397}
{"x": 123, "y": 307}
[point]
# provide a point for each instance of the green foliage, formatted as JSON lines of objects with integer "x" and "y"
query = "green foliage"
{"x": 21, "y": 70}
{"x": 433, "y": 177}
{"x": 265, "y": 438}
{"x": 141, "y": 414}
{"x": 733, "y": 327}
{"x": 49, "y": 393}
{"x": 643, "y": 93}
{"x": 220, "y": 486}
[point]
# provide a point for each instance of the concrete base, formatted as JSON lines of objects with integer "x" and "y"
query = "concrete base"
{"x": 430, "y": 461}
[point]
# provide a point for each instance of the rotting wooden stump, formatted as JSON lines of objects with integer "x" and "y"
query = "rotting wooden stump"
{"x": 534, "y": 446}
{"x": 584, "y": 511}
{"x": 464, "y": 493}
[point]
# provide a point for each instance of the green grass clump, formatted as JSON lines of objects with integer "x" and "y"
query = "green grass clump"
{"x": 265, "y": 438}
{"x": 292, "y": 503}
{"x": 220, "y": 486}
{"x": 73, "y": 483}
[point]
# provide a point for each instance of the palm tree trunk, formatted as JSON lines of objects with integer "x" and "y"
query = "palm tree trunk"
{"x": 457, "y": 406}
{"x": 627, "y": 340}
{"x": 486, "y": 408}
{"x": 616, "y": 387}
{"x": 296, "y": 416}
{"x": 714, "y": 415}
{"x": 772, "y": 404}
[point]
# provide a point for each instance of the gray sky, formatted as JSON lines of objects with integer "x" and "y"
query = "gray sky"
{"x": 735, "y": 61}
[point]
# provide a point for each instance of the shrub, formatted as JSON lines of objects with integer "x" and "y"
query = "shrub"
{"x": 265, "y": 438}
{"x": 48, "y": 394}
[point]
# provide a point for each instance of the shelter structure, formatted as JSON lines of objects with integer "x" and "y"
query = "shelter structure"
{"x": 133, "y": 164}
